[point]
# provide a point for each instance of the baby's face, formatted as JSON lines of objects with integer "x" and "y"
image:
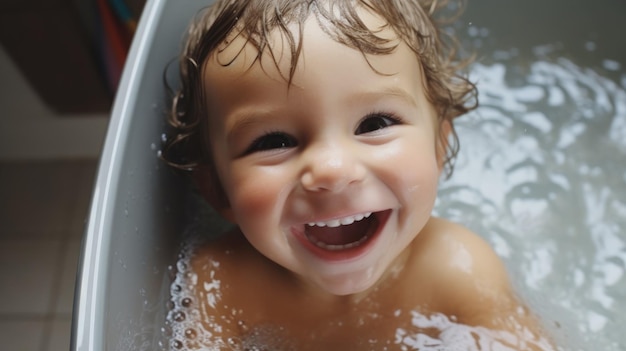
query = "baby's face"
{"x": 333, "y": 177}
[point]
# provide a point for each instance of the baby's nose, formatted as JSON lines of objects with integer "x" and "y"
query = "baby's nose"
{"x": 331, "y": 168}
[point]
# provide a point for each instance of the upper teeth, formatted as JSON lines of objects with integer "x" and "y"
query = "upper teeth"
{"x": 341, "y": 221}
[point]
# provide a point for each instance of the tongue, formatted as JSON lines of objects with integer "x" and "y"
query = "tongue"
{"x": 342, "y": 235}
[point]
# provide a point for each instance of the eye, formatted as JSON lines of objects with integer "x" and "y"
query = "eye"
{"x": 272, "y": 141}
{"x": 376, "y": 121}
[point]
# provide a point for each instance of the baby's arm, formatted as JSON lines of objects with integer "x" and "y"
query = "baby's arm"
{"x": 473, "y": 287}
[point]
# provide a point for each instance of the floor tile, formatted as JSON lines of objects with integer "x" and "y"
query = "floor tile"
{"x": 60, "y": 333}
{"x": 28, "y": 269}
{"x": 36, "y": 199}
{"x": 65, "y": 299}
{"x": 21, "y": 335}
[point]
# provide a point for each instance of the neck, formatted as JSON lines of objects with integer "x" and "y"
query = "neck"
{"x": 385, "y": 285}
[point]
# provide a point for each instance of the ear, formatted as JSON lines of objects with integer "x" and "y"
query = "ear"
{"x": 445, "y": 127}
{"x": 208, "y": 184}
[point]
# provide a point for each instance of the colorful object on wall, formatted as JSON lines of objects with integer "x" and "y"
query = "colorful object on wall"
{"x": 116, "y": 27}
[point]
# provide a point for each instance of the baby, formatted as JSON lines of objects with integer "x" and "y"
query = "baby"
{"x": 321, "y": 129}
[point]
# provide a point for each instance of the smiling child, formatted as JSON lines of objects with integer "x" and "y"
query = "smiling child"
{"x": 321, "y": 129}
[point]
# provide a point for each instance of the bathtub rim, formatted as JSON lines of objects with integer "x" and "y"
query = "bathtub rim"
{"x": 88, "y": 322}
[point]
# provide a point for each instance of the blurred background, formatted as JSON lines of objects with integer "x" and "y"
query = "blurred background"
{"x": 60, "y": 62}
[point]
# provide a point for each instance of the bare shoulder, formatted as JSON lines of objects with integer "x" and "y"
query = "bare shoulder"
{"x": 244, "y": 276}
{"x": 222, "y": 283}
{"x": 212, "y": 266}
{"x": 230, "y": 258}
{"x": 471, "y": 280}
{"x": 460, "y": 253}
{"x": 472, "y": 284}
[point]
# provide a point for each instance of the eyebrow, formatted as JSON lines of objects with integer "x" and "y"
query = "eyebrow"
{"x": 393, "y": 91}
{"x": 246, "y": 119}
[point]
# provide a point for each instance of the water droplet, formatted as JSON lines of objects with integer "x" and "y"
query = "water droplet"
{"x": 179, "y": 316}
{"x": 234, "y": 343}
{"x": 166, "y": 330}
{"x": 590, "y": 46}
{"x": 171, "y": 272}
{"x": 186, "y": 302}
{"x": 191, "y": 333}
{"x": 242, "y": 326}
{"x": 177, "y": 344}
{"x": 473, "y": 31}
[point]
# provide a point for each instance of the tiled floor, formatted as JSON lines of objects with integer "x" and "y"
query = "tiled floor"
{"x": 43, "y": 207}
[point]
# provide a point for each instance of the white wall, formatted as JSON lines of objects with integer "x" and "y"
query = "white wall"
{"x": 29, "y": 130}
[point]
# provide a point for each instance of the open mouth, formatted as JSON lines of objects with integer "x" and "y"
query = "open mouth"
{"x": 343, "y": 233}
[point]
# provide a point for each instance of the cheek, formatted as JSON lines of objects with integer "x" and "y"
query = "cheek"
{"x": 412, "y": 163}
{"x": 419, "y": 183}
{"x": 254, "y": 194}
{"x": 411, "y": 171}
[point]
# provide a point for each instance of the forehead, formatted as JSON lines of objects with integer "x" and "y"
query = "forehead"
{"x": 237, "y": 66}
{"x": 238, "y": 52}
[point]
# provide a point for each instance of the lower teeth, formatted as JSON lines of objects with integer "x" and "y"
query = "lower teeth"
{"x": 337, "y": 247}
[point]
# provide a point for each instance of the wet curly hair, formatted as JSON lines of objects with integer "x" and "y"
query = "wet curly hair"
{"x": 414, "y": 22}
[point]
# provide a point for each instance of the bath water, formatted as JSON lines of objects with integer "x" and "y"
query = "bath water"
{"x": 541, "y": 176}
